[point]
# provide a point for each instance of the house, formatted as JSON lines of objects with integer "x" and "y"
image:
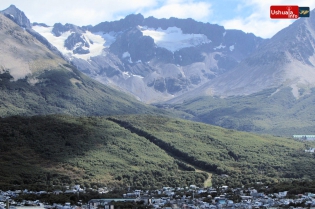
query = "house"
{"x": 95, "y": 203}
{"x": 311, "y": 150}
{"x": 57, "y": 192}
{"x": 283, "y": 194}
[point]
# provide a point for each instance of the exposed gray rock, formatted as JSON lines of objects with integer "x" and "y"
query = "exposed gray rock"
{"x": 75, "y": 39}
{"x": 17, "y": 16}
{"x": 59, "y": 29}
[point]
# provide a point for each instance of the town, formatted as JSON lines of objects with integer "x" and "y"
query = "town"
{"x": 191, "y": 197}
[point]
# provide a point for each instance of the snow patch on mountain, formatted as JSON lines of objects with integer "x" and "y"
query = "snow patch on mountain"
{"x": 97, "y": 41}
{"x": 127, "y": 55}
{"x": 127, "y": 74}
{"x": 219, "y": 47}
{"x": 173, "y": 38}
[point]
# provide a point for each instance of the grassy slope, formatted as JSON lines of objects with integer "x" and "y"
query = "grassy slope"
{"x": 264, "y": 112}
{"x": 64, "y": 91}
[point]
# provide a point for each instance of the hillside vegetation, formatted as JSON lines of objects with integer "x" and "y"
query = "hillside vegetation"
{"x": 141, "y": 151}
{"x": 269, "y": 112}
{"x": 42, "y": 151}
{"x": 64, "y": 91}
{"x": 246, "y": 158}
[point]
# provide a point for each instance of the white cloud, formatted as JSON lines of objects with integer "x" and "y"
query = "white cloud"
{"x": 83, "y": 12}
{"x": 199, "y": 11}
{"x": 259, "y": 21}
{"x": 79, "y": 12}
{"x": 260, "y": 27}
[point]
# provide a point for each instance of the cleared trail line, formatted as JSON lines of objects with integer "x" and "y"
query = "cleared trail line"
{"x": 170, "y": 150}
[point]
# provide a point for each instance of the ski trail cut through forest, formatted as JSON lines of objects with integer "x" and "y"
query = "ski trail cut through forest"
{"x": 170, "y": 150}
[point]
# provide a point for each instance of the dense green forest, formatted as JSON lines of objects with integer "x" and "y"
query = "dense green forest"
{"x": 143, "y": 152}
{"x": 42, "y": 151}
{"x": 246, "y": 158}
{"x": 271, "y": 111}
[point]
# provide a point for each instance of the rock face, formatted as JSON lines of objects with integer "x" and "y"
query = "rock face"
{"x": 17, "y": 16}
{"x": 153, "y": 59}
{"x": 20, "y": 19}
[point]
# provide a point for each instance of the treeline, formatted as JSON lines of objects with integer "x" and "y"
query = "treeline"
{"x": 294, "y": 187}
{"x": 73, "y": 198}
{"x": 156, "y": 179}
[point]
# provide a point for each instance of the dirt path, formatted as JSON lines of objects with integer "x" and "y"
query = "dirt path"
{"x": 208, "y": 182}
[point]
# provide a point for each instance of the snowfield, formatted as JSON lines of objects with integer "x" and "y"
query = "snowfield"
{"x": 97, "y": 41}
{"x": 173, "y": 38}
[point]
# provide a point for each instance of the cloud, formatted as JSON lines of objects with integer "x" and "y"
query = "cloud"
{"x": 251, "y": 16}
{"x": 259, "y": 22}
{"x": 256, "y": 25}
{"x": 80, "y": 12}
{"x": 199, "y": 11}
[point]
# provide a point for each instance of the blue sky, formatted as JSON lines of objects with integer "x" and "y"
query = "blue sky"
{"x": 251, "y": 16}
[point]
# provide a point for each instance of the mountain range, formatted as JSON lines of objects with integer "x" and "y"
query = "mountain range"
{"x": 71, "y": 110}
{"x": 152, "y": 59}
{"x": 172, "y": 62}
{"x": 285, "y": 60}
{"x": 163, "y": 59}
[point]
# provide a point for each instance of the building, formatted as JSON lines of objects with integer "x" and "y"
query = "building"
{"x": 106, "y": 203}
{"x": 304, "y": 137}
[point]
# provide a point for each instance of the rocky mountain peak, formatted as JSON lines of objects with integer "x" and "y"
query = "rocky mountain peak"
{"x": 17, "y": 16}
{"x": 59, "y": 28}
{"x": 129, "y": 21}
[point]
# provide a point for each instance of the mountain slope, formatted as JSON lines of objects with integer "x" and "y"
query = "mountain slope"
{"x": 153, "y": 59}
{"x": 34, "y": 80}
{"x": 286, "y": 60}
{"x": 143, "y": 152}
{"x": 269, "y": 111}
{"x": 271, "y": 91}
{"x": 40, "y": 151}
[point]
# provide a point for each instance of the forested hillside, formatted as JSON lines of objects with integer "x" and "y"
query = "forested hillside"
{"x": 42, "y": 151}
{"x": 141, "y": 151}
{"x": 246, "y": 158}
